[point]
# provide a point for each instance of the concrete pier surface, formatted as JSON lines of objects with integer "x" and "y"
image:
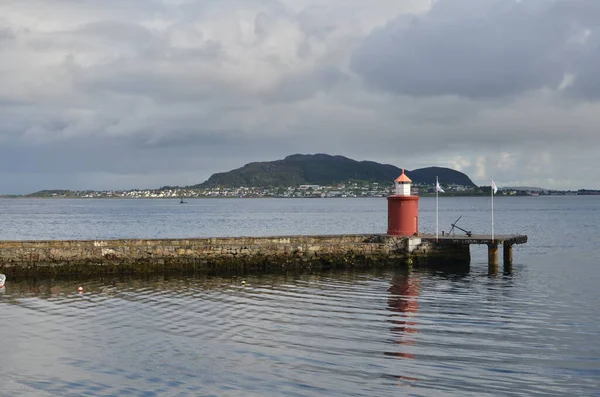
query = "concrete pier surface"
{"x": 478, "y": 239}
{"x": 237, "y": 254}
{"x": 507, "y": 242}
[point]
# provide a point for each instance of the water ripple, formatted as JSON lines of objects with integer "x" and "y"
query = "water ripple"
{"x": 338, "y": 334}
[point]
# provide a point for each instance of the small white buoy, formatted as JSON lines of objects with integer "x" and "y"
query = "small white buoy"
{"x": 243, "y": 282}
{"x": 2, "y": 280}
{"x": 80, "y": 289}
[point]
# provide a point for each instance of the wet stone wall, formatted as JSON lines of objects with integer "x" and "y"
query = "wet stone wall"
{"x": 214, "y": 255}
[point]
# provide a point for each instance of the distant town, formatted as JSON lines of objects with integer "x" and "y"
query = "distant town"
{"x": 314, "y": 176}
{"x": 351, "y": 189}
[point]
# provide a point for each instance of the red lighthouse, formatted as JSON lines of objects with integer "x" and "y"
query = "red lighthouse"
{"x": 403, "y": 209}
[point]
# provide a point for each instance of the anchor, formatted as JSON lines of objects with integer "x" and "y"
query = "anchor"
{"x": 467, "y": 232}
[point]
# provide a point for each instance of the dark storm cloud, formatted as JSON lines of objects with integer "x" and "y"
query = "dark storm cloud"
{"x": 481, "y": 48}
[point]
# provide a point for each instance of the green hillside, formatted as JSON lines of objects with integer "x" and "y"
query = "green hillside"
{"x": 324, "y": 169}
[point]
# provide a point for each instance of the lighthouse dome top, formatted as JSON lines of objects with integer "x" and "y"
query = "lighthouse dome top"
{"x": 403, "y": 178}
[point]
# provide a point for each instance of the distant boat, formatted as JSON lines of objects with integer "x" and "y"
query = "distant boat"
{"x": 181, "y": 201}
{"x": 2, "y": 280}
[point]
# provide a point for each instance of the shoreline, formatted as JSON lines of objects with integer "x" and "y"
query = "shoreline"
{"x": 276, "y": 197}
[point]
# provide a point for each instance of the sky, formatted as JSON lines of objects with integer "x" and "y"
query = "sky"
{"x": 123, "y": 94}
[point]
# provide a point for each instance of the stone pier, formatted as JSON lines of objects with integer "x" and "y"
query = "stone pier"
{"x": 233, "y": 254}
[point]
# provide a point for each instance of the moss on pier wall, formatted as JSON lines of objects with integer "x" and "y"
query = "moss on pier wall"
{"x": 215, "y": 255}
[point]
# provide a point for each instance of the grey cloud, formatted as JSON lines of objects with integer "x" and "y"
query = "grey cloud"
{"x": 130, "y": 34}
{"x": 168, "y": 92}
{"x": 100, "y": 154}
{"x": 477, "y": 48}
{"x": 315, "y": 25}
{"x": 6, "y": 34}
{"x": 586, "y": 83}
{"x": 303, "y": 86}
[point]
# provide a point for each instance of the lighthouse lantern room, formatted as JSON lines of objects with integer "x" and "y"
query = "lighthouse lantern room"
{"x": 403, "y": 209}
{"x": 402, "y": 184}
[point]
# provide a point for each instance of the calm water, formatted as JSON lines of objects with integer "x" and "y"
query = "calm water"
{"x": 420, "y": 333}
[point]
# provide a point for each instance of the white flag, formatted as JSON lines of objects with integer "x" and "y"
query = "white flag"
{"x": 438, "y": 188}
{"x": 494, "y": 187}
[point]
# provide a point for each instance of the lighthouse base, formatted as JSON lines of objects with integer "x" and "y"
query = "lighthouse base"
{"x": 403, "y": 215}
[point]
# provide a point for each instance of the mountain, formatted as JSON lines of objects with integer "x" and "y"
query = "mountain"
{"x": 49, "y": 193}
{"x": 324, "y": 169}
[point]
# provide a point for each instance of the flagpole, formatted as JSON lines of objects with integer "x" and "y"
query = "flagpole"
{"x": 492, "y": 192}
{"x": 436, "y": 208}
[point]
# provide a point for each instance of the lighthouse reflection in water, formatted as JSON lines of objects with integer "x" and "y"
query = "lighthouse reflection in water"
{"x": 404, "y": 305}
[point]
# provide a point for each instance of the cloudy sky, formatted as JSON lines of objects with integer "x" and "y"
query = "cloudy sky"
{"x": 144, "y": 93}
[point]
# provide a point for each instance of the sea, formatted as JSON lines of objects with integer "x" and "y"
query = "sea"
{"x": 533, "y": 331}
